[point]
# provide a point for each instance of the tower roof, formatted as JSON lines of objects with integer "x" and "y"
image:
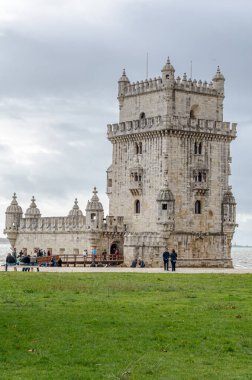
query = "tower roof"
{"x": 165, "y": 193}
{"x": 14, "y": 207}
{"x": 228, "y": 197}
{"x": 124, "y": 77}
{"x": 94, "y": 204}
{"x": 75, "y": 211}
{"x": 32, "y": 211}
{"x": 218, "y": 75}
{"x": 168, "y": 66}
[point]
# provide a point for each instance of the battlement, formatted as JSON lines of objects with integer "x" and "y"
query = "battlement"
{"x": 180, "y": 84}
{"x": 174, "y": 123}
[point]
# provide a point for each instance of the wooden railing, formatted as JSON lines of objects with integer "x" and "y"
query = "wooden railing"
{"x": 89, "y": 259}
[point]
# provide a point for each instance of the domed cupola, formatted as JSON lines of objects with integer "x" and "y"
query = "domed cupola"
{"x": 13, "y": 214}
{"x": 165, "y": 194}
{"x": 33, "y": 211}
{"x": 218, "y": 81}
{"x": 166, "y": 207}
{"x": 94, "y": 211}
{"x": 75, "y": 210}
{"x": 122, "y": 83}
{"x": 168, "y": 73}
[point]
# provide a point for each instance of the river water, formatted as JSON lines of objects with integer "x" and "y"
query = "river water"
{"x": 242, "y": 256}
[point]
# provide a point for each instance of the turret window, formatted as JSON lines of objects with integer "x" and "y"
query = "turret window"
{"x": 197, "y": 207}
{"x": 197, "y": 148}
{"x": 137, "y": 206}
{"x": 93, "y": 216}
{"x": 138, "y": 148}
{"x": 164, "y": 206}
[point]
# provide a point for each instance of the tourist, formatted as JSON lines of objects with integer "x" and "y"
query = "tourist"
{"x": 53, "y": 262}
{"x": 59, "y": 263}
{"x": 173, "y": 260}
{"x": 93, "y": 254}
{"x": 104, "y": 254}
{"x": 166, "y": 256}
{"x": 141, "y": 263}
{"x": 134, "y": 263}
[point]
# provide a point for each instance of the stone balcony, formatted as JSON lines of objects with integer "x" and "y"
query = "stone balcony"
{"x": 200, "y": 187}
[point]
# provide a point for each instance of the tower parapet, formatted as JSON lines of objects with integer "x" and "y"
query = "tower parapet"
{"x": 172, "y": 125}
{"x": 214, "y": 87}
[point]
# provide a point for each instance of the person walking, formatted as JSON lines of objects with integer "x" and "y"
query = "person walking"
{"x": 173, "y": 260}
{"x": 166, "y": 256}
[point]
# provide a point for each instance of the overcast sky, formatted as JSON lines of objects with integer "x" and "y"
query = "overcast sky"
{"x": 59, "y": 65}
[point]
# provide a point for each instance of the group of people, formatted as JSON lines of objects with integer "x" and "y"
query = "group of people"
{"x": 140, "y": 263}
{"x": 172, "y": 256}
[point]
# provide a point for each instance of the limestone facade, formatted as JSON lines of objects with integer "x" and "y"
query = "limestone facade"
{"x": 167, "y": 184}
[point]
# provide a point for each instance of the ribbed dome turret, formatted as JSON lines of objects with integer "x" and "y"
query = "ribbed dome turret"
{"x": 165, "y": 194}
{"x": 75, "y": 210}
{"x": 33, "y": 211}
{"x": 218, "y": 76}
{"x": 94, "y": 204}
{"x": 228, "y": 197}
{"x": 14, "y": 207}
{"x": 168, "y": 66}
{"x": 124, "y": 77}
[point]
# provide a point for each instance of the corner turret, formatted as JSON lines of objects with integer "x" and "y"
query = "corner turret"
{"x": 13, "y": 214}
{"x": 218, "y": 82}
{"x": 168, "y": 74}
{"x": 122, "y": 83}
{"x": 94, "y": 212}
{"x": 12, "y": 221}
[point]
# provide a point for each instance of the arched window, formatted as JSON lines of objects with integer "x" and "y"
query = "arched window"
{"x": 197, "y": 207}
{"x": 200, "y": 177}
{"x": 137, "y": 206}
{"x": 140, "y": 148}
{"x": 136, "y": 148}
{"x": 142, "y": 115}
{"x": 200, "y": 148}
{"x": 195, "y": 148}
{"x": 192, "y": 116}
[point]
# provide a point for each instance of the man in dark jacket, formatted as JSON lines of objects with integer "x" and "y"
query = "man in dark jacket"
{"x": 173, "y": 260}
{"x": 166, "y": 256}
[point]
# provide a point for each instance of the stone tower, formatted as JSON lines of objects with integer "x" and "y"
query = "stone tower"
{"x": 170, "y": 169}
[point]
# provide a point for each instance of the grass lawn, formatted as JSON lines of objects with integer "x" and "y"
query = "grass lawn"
{"x": 125, "y": 326}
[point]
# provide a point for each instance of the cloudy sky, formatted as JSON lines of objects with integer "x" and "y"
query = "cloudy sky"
{"x": 59, "y": 65}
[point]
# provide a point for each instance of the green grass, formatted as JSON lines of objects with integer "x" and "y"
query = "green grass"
{"x": 125, "y": 326}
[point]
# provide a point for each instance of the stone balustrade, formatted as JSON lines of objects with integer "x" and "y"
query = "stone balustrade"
{"x": 174, "y": 123}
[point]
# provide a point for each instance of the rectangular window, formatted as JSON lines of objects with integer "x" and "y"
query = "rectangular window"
{"x": 164, "y": 206}
{"x": 110, "y": 182}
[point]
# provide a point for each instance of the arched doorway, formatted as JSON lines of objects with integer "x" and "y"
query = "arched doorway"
{"x": 115, "y": 250}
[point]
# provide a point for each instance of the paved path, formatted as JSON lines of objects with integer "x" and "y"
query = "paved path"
{"x": 134, "y": 270}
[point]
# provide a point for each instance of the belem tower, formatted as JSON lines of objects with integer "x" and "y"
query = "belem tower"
{"x": 168, "y": 184}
